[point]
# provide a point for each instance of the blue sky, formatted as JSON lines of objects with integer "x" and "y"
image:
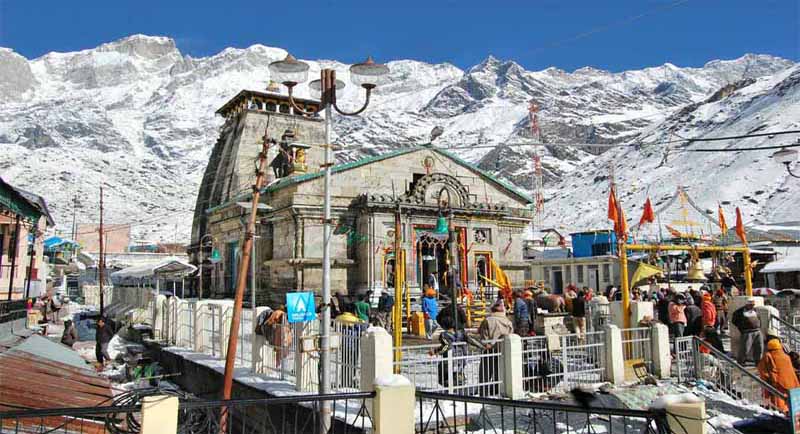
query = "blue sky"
{"x": 568, "y": 34}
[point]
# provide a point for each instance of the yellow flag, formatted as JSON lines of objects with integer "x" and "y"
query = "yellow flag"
{"x": 645, "y": 271}
{"x": 499, "y": 275}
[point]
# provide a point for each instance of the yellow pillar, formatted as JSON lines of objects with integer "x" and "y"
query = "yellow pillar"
{"x": 399, "y": 277}
{"x": 748, "y": 272}
{"x": 624, "y": 284}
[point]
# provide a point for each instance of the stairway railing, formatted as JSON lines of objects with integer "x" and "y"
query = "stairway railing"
{"x": 789, "y": 334}
{"x": 731, "y": 378}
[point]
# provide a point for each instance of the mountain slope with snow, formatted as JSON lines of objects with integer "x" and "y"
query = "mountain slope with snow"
{"x": 138, "y": 115}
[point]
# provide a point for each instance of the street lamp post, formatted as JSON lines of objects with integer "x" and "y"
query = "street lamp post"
{"x": 786, "y": 156}
{"x": 291, "y": 72}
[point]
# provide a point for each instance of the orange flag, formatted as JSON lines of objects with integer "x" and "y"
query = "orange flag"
{"x": 740, "y": 227}
{"x": 723, "y": 226}
{"x": 648, "y": 216}
{"x": 621, "y": 226}
{"x": 612, "y": 206}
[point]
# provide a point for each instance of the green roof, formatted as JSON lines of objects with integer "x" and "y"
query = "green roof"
{"x": 292, "y": 180}
{"x": 298, "y": 179}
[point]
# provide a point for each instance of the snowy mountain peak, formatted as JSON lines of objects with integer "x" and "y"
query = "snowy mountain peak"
{"x": 137, "y": 114}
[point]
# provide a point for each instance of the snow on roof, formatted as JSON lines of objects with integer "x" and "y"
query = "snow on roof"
{"x": 785, "y": 265}
{"x": 168, "y": 267}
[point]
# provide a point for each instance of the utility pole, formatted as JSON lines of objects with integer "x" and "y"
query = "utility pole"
{"x": 101, "y": 265}
{"x": 74, "y": 216}
{"x": 397, "y": 311}
{"x": 241, "y": 283}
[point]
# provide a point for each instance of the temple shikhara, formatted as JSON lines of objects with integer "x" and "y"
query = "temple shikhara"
{"x": 421, "y": 183}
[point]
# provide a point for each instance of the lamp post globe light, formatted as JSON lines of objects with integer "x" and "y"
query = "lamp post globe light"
{"x": 368, "y": 75}
{"x": 786, "y": 156}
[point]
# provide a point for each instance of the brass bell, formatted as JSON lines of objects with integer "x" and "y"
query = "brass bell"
{"x": 696, "y": 273}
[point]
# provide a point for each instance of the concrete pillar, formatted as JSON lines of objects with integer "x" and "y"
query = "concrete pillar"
{"x": 376, "y": 357}
{"x": 159, "y": 414}
{"x": 660, "y": 349}
{"x": 733, "y": 304}
{"x": 639, "y": 310}
{"x": 615, "y": 359}
{"x": 512, "y": 367}
{"x": 765, "y": 314}
{"x": 393, "y": 407}
{"x": 687, "y": 417}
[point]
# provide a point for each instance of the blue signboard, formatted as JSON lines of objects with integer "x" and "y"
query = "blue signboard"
{"x": 300, "y": 307}
{"x": 794, "y": 409}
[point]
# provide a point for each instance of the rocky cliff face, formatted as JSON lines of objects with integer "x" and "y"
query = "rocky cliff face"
{"x": 138, "y": 115}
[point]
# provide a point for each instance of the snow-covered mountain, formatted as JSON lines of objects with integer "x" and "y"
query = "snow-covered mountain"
{"x": 138, "y": 115}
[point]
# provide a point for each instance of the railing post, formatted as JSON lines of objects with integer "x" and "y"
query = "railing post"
{"x": 393, "y": 407}
{"x": 697, "y": 358}
{"x": 197, "y": 330}
{"x": 660, "y": 350}
{"x": 687, "y": 417}
{"x": 450, "y": 369}
{"x": 615, "y": 359}
{"x": 159, "y": 414}
{"x": 512, "y": 367}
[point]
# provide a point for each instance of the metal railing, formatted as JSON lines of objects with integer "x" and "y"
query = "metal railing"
{"x": 725, "y": 374}
{"x": 346, "y": 359}
{"x": 443, "y": 413}
{"x": 463, "y": 370}
{"x": 577, "y": 359}
{"x": 789, "y": 334}
{"x": 637, "y": 347}
{"x": 13, "y": 310}
{"x": 107, "y": 419}
{"x": 684, "y": 358}
{"x": 291, "y": 414}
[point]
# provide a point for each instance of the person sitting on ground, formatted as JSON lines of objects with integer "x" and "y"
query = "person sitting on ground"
{"x": 746, "y": 319}
{"x": 775, "y": 367}
{"x": 70, "y": 335}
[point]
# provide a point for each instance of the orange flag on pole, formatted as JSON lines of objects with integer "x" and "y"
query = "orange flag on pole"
{"x": 648, "y": 216}
{"x": 740, "y": 227}
{"x": 621, "y": 226}
{"x": 723, "y": 226}
{"x": 612, "y": 206}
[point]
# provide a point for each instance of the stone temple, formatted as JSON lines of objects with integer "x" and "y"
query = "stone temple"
{"x": 487, "y": 217}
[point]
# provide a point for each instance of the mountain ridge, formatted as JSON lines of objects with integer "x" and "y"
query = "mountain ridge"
{"x": 138, "y": 115}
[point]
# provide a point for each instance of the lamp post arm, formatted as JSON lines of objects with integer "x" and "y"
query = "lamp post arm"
{"x": 364, "y": 107}
{"x": 297, "y": 108}
{"x": 789, "y": 169}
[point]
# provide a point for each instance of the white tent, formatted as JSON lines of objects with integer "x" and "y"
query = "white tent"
{"x": 785, "y": 265}
{"x": 171, "y": 267}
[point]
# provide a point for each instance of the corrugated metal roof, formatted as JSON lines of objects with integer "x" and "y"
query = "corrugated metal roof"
{"x": 31, "y": 382}
{"x": 46, "y": 349}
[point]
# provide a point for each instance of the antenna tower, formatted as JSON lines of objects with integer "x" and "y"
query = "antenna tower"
{"x": 538, "y": 178}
